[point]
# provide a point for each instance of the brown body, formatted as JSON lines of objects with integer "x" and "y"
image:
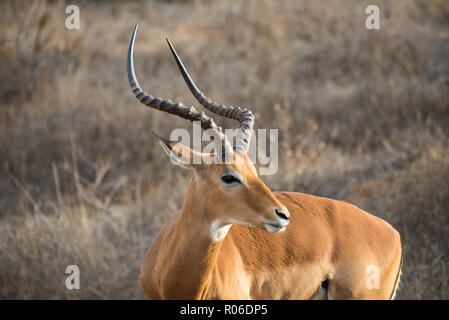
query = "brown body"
{"x": 235, "y": 239}
{"x": 321, "y": 242}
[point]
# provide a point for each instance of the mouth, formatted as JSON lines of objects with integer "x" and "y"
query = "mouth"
{"x": 274, "y": 227}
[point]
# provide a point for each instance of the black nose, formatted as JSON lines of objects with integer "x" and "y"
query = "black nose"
{"x": 281, "y": 214}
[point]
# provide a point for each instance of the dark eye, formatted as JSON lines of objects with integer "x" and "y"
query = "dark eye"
{"x": 229, "y": 179}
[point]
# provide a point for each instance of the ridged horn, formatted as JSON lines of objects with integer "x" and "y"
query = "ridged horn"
{"x": 242, "y": 115}
{"x": 189, "y": 113}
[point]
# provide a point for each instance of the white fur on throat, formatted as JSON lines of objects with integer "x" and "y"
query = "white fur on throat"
{"x": 219, "y": 230}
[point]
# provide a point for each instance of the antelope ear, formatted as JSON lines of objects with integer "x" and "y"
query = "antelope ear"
{"x": 181, "y": 155}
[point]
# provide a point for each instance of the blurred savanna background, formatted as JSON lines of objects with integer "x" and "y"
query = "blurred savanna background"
{"x": 363, "y": 116}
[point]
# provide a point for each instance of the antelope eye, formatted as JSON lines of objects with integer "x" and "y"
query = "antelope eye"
{"x": 228, "y": 179}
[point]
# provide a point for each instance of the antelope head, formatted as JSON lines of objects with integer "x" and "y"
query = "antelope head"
{"x": 230, "y": 189}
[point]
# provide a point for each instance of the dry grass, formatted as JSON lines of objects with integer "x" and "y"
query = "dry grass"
{"x": 364, "y": 117}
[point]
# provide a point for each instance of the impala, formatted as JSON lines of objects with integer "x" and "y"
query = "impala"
{"x": 236, "y": 239}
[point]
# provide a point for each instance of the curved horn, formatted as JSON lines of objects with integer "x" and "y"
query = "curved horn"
{"x": 243, "y": 115}
{"x": 189, "y": 113}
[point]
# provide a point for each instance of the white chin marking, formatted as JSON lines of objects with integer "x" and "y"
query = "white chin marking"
{"x": 219, "y": 230}
{"x": 273, "y": 229}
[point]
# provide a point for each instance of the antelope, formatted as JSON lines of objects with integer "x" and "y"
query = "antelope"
{"x": 236, "y": 239}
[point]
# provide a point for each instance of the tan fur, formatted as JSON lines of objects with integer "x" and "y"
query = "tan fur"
{"x": 325, "y": 239}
